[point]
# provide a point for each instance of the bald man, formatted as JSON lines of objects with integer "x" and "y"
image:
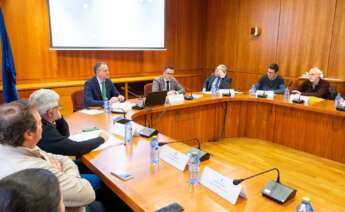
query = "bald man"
{"x": 314, "y": 85}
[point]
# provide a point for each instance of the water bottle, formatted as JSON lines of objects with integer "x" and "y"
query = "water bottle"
{"x": 286, "y": 94}
{"x": 128, "y": 132}
{"x": 194, "y": 168}
{"x": 154, "y": 151}
{"x": 338, "y": 100}
{"x": 106, "y": 106}
{"x": 304, "y": 206}
{"x": 252, "y": 90}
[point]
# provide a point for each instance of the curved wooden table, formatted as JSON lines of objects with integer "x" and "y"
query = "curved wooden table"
{"x": 155, "y": 187}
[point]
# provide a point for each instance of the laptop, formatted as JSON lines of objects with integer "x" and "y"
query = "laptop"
{"x": 152, "y": 99}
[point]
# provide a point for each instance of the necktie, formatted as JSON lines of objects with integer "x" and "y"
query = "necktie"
{"x": 104, "y": 91}
{"x": 217, "y": 82}
{"x": 168, "y": 85}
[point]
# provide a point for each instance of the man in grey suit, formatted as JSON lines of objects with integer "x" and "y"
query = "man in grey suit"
{"x": 167, "y": 82}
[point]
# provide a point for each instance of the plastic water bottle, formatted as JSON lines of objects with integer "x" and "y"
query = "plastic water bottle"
{"x": 304, "y": 206}
{"x": 128, "y": 132}
{"x": 338, "y": 100}
{"x": 194, "y": 168}
{"x": 252, "y": 90}
{"x": 286, "y": 94}
{"x": 106, "y": 106}
{"x": 154, "y": 150}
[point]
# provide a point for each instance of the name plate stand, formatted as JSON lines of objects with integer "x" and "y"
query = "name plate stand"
{"x": 173, "y": 157}
{"x": 221, "y": 185}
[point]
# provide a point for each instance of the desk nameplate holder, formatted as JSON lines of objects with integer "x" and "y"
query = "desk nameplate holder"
{"x": 221, "y": 185}
{"x": 173, "y": 157}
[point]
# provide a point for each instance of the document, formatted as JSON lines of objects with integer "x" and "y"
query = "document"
{"x": 122, "y": 107}
{"x": 91, "y": 111}
{"x": 112, "y": 141}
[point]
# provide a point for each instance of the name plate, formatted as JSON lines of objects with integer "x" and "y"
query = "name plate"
{"x": 269, "y": 94}
{"x": 119, "y": 129}
{"x": 299, "y": 97}
{"x": 221, "y": 185}
{"x": 175, "y": 99}
{"x": 230, "y": 92}
{"x": 173, "y": 157}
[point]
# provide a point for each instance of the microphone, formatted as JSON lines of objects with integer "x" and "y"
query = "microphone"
{"x": 263, "y": 95}
{"x": 138, "y": 106}
{"x": 190, "y": 97}
{"x": 121, "y": 120}
{"x": 298, "y": 101}
{"x": 274, "y": 190}
{"x": 202, "y": 155}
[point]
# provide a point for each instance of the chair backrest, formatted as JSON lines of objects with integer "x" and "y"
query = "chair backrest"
{"x": 147, "y": 88}
{"x": 78, "y": 100}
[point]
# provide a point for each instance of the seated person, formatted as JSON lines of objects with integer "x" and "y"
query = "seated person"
{"x": 167, "y": 82}
{"x": 100, "y": 88}
{"x": 32, "y": 190}
{"x": 219, "y": 80}
{"x": 55, "y": 130}
{"x": 314, "y": 85}
{"x": 20, "y": 131}
{"x": 271, "y": 81}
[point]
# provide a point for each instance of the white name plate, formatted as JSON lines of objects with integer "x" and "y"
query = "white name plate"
{"x": 221, "y": 185}
{"x": 173, "y": 157}
{"x": 175, "y": 99}
{"x": 297, "y": 97}
{"x": 227, "y": 91}
{"x": 269, "y": 94}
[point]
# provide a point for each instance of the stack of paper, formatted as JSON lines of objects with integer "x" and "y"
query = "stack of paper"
{"x": 112, "y": 141}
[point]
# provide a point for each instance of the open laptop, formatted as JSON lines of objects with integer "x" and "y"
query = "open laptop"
{"x": 152, "y": 99}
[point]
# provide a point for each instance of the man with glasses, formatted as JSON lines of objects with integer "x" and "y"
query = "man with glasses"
{"x": 167, "y": 82}
{"x": 314, "y": 85}
{"x": 271, "y": 81}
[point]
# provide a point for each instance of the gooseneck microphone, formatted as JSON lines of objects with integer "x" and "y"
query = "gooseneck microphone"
{"x": 190, "y": 97}
{"x": 238, "y": 181}
{"x": 202, "y": 155}
{"x": 274, "y": 190}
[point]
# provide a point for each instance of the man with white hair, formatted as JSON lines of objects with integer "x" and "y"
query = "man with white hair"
{"x": 219, "y": 79}
{"x": 314, "y": 85}
{"x": 55, "y": 130}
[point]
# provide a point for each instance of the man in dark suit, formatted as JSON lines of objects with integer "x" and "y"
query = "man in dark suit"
{"x": 219, "y": 79}
{"x": 167, "y": 82}
{"x": 100, "y": 88}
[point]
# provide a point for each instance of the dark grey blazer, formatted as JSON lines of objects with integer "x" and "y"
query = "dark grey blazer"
{"x": 225, "y": 83}
{"x": 158, "y": 84}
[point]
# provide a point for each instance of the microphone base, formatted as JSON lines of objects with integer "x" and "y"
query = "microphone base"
{"x": 188, "y": 97}
{"x": 298, "y": 101}
{"x": 340, "y": 109}
{"x": 262, "y": 96}
{"x": 278, "y": 192}
{"x": 202, "y": 155}
{"x": 148, "y": 132}
{"x": 121, "y": 120}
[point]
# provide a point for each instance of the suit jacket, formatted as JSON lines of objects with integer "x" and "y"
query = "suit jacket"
{"x": 55, "y": 140}
{"x": 76, "y": 191}
{"x": 93, "y": 95}
{"x": 158, "y": 84}
{"x": 225, "y": 82}
{"x": 320, "y": 90}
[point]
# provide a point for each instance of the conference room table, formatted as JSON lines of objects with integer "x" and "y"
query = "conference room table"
{"x": 206, "y": 118}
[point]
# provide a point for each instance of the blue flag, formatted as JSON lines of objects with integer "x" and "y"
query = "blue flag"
{"x": 8, "y": 70}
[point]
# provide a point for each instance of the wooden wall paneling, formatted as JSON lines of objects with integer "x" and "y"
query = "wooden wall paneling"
{"x": 336, "y": 67}
{"x": 222, "y": 32}
{"x": 253, "y": 54}
{"x": 327, "y": 142}
{"x": 260, "y": 121}
{"x": 305, "y": 32}
{"x": 212, "y": 115}
{"x": 235, "y": 125}
{"x": 28, "y": 28}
